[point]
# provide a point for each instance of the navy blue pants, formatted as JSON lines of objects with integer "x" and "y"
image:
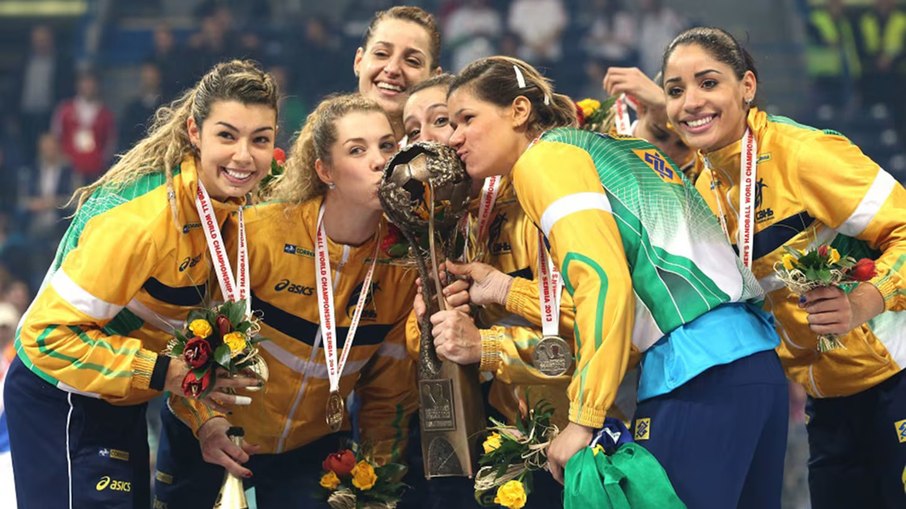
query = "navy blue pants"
{"x": 72, "y": 451}
{"x": 721, "y": 437}
{"x": 184, "y": 480}
{"x": 857, "y": 448}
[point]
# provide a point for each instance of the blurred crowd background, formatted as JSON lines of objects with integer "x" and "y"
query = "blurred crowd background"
{"x": 79, "y": 80}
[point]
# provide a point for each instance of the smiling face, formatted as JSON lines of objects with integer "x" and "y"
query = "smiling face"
{"x": 397, "y": 56}
{"x": 705, "y": 99}
{"x": 486, "y": 136}
{"x": 364, "y": 144}
{"x": 235, "y": 147}
{"x": 426, "y": 117}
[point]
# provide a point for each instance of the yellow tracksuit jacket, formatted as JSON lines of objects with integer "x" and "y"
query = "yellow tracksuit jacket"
{"x": 817, "y": 187}
{"x": 290, "y": 412}
{"x": 124, "y": 278}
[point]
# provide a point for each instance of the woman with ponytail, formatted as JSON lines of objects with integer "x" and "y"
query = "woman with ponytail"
{"x": 652, "y": 279}
{"x": 130, "y": 267}
{"x": 810, "y": 187}
{"x": 325, "y": 219}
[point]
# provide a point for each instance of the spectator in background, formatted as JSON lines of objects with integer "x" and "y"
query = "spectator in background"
{"x": 832, "y": 58}
{"x": 17, "y": 294}
{"x": 882, "y": 32}
{"x": 138, "y": 113}
{"x": 290, "y": 107}
{"x": 170, "y": 59}
{"x": 44, "y": 191}
{"x": 86, "y": 128}
{"x": 311, "y": 48}
{"x": 471, "y": 32}
{"x": 9, "y": 317}
{"x": 539, "y": 24}
{"x": 8, "y": 196}
{"x": 610, "y": 33}
{"x": 45, "y": 80}
{"x": 657, "y": 27}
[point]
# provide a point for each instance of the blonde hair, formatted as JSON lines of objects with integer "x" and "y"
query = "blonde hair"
{"x": 300, "y": 181}
{"x": 499, "y": 80}
{"x": 167, "y": 141}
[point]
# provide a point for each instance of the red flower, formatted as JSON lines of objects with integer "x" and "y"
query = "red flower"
{"x": 822, "y": 250}
{"x": 223, "y": 325}
{"x": 863, "y": 270}
{"x": 580, "y": 117}
{"x": 197, "y": 352}
{"x": 194, "y": 387}
{"x": 279, "y": 155}
{"x": 391, "y": 238}
{"x": 340, "y": 463}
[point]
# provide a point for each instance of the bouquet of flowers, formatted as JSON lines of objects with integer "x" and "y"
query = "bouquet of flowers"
{"x": 354, "y": 481}
{"x": 511, "y": 455}
{"x": 221, "y": 337}
{"x": 278, "y": 166}
{"x": 805, "y": 270}
{"x": 592, "y": 115}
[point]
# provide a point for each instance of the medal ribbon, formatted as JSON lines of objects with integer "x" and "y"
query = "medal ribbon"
{"x": 621, "y": 116}
{"x": 550, "y": 285}
{"x": 234, "y": 289}
{"x": 326, "y": 306}
{"x": 486, "y": 201}
{"x": 745, "y": 231}
{"x": 745, "y": 225}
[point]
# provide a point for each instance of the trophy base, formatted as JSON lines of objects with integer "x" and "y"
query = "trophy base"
{"x": 452, "y": 421}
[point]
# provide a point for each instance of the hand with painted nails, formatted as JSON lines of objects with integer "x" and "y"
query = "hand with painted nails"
{"x": 218, "y": 449}
{"x": 832, "y": 311}
{"x": 223, "y": 392}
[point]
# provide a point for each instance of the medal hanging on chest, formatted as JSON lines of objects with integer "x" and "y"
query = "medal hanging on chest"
{"x": 335, "y": 409}
{"x": 552, "y": 355}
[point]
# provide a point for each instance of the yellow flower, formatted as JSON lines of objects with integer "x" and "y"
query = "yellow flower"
{"x": 200, "y": 328}
{"x": 589, "y": 106}
{"x": 787, "y": 261}
{"x": 363, "y": 476}
{"x": 511, "y": 495}
{"x": 491, "y": 443}
{"x": 834, "y": 256}
{"x": 236, "y": 341}
{"x": 330, "y": 480}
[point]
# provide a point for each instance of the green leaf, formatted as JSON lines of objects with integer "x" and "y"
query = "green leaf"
{"x": 196, "y": 314}
{"x": 795, "y": 252}
{"x": 824, "y": 275}
{"x": 222, "y": 355}
{"x": 244, "y": 328}
{"x": 178, "y": 349}
{"x": 180, "y": 336}
{"x": 393, "y": 472}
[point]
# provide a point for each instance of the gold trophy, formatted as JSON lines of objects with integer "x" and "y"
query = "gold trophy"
{"x": 232, "y": 493}
{"x": 425, "y": 192}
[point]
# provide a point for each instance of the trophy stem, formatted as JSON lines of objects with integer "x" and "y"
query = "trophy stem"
{"x": 435, "y": 267}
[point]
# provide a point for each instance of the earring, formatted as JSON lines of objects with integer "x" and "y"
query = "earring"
{"x": 331, "y": 185}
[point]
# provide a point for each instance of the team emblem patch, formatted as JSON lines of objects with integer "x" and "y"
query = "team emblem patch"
{"x": 642, "y": 428}
{"x": 661, "y": 166}
{"x": 901, "y": 430}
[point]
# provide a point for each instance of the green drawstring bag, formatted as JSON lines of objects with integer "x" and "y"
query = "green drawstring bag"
{"x": 630, "y": 478}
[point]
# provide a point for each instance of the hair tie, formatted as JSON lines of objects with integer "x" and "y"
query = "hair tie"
{"x": 547, "y": 100}
{"x": 520, "y": 79}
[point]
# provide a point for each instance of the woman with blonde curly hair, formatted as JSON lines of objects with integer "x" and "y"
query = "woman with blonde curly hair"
{"x": 130, "y": 267}
{"x": 322, "y": 282}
